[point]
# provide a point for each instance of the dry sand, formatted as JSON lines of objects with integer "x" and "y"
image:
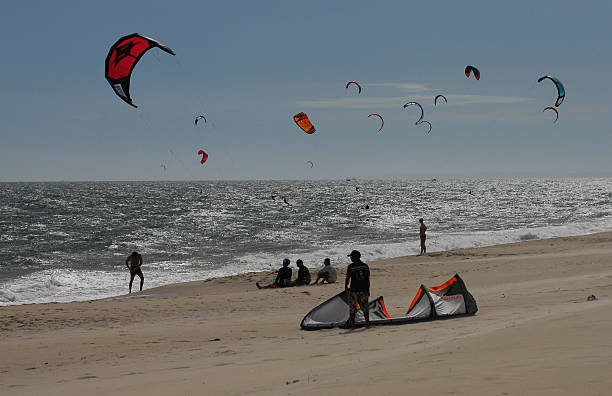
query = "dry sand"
{"x": 535, "y": 333}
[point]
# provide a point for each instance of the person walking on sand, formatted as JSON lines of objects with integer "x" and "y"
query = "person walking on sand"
{"x": 327, "y": 273}
{"x": 422, "y": 230}
{"x": 358, "y": 275}
{"x": 133, "y": 262}
{"x": 283, "y": 277}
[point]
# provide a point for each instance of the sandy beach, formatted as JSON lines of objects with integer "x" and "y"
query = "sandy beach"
{"x": 535, "y": 333}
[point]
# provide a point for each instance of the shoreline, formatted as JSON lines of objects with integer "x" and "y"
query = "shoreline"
{"x": 224, "y": 336}
{"x": 505, "y": 237}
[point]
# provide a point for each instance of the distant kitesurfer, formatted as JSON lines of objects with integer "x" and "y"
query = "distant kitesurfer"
{"x": 283, "y": 277}
{"x": 133, "y": 262}
{"x": 273, "y": 197}
{"x": 367, "y": 207}
{"x": 285, "y": 199}
{"x": 422, "y": 230}
{"x": 358, "y": 275}
{"x": 327, "y": 273}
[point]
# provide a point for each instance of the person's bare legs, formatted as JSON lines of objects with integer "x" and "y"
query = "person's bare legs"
{"x": 352, "y": 319}
{"x": 131, "y": 281}
{"x": 141, "y": 281}
{"x": 367, "y": 318}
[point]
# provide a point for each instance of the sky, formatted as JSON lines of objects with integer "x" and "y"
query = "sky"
{"x": 249, "y": 66}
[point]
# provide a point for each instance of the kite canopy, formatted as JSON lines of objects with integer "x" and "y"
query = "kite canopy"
{"x": 440, "y": 96}
{"x": 123, "y": 57}
{"x": 198, "y": 118}
{"x": 556, "y": 112}
{"x": 301, "y": 119}
{"x": 354, "y": 82}
{"x": 560, "y": 89}
{"x": 310, "y": 163}
{"x": 382, "y": 122}
{"x": 204, "y": 156}
{"x": 420, "y": 107}
{"x": 451, "y": 299}
{"x": 470, "y": 69}
{"x": 428, "y": 123}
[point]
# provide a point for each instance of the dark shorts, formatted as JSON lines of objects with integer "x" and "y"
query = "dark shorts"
{"x": 137, "y": 271}
{"x": 358, "y": 300}
{"x": 423, "y": 237}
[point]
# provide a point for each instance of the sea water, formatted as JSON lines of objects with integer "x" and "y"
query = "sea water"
{"x": 69, "y": 241}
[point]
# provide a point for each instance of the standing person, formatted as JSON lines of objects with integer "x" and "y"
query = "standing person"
{"x": 283, "y": 278}
{"x": 327, "y": 273}
{"x": 422, "y": 230}
{"x": 358, "y": 274}
{"x": 133, "y": 262}
{"x": 303, "y": 276}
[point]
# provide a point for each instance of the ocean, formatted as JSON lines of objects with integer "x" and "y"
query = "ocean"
{"x": 69, "y": 241}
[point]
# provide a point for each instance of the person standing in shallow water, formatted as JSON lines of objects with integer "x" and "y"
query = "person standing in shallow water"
{"x": 133, "y": 262}
{"x": 422, "y": 230}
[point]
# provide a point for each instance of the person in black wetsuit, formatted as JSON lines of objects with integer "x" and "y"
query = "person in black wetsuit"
{"x": 283, "y": 278}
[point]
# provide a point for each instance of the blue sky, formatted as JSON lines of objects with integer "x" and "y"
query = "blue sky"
{"x": 249, "y": 66}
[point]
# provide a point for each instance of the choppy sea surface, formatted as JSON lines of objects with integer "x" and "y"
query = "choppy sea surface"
{"x": 69, "y": 241}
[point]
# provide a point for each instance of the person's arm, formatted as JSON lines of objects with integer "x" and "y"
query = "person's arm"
{"x": 139, "y": 260}
{"x": 126, "y": 263}
{"x": 346, "y": 280}
{"x": 278, "y": 274}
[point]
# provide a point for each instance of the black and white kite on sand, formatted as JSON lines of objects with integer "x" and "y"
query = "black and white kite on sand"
{"x": 449, "y": 300}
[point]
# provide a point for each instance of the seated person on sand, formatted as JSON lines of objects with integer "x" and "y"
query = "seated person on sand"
{"x": 327, "y": 273}
{"x": 283, "y": 278}
{"x": 303, "y": 277}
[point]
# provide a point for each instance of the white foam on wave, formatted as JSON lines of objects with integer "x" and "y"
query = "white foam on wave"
{"x": 76, "y": 285}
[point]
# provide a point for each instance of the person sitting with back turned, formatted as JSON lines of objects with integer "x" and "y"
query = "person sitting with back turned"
{"x": 283, "y": 278}
{"x": 327, "y": 273}
{"x": 303, "y": 276}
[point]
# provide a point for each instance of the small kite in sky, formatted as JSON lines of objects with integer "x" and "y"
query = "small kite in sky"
{"x": 470, "y": 69}
{"x": 354, "y": 82}
{"x": 301, "y": 119}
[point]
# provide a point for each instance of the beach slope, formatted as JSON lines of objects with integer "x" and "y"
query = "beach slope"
{"x": 535, "y": 333}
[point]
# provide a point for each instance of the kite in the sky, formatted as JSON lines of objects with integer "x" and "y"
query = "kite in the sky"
{"x": 204, "y": 156}
{"x": 382, "y": 122}
{"x": 439, "y": 96}
{"x": 163, "y": 167}
{"x": 198, "y": 118}
{"x": 354, "y": 82}
{"x": 560, "y": 89}
{"x": 420, "y": 107}
{"x": 428, "y": 123}
{"x": 301, "y": 119}
{"x": 470, "y": 69}
{"x": 556, "y": 112}
{"x": 311, "y": 163}
{"x": 123, "y": 57}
